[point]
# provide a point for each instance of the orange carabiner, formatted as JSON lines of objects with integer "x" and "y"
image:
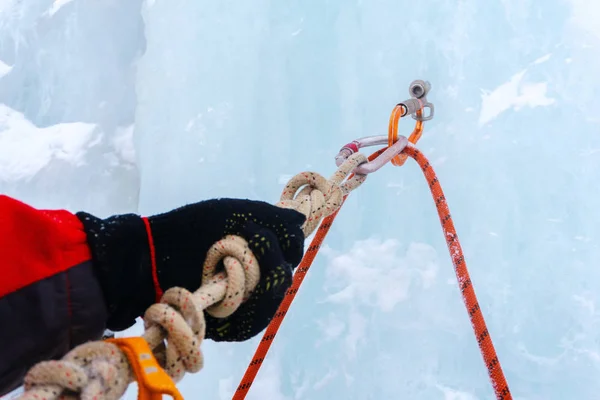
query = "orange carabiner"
{"x": 152, "y": 380}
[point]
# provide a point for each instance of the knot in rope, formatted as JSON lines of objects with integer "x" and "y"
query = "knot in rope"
{"x": 180, "y": 313}
{"x": 320, "y": 197}
{"x": 101, "y": 370}
{"x": 95, "y": 370}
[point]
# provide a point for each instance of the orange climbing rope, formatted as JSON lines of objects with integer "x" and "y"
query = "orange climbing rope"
{"x": 480, "y": 329}
{"x": 482, "y": 334}
{"x": 484, "y": 340}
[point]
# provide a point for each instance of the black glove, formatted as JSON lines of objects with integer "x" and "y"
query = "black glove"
{"x": 182, "y": 237}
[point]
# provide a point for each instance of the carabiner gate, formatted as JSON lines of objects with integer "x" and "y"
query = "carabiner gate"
{"x": 371, "y": 166}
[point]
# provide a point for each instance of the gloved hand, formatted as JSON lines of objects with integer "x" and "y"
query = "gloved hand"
{"x": 181, "y": 238}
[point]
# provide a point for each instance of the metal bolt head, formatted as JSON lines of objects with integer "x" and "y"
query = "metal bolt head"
{"x": 419, "y": 88}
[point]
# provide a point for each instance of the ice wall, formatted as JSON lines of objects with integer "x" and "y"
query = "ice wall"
{"x": 67, "y": 96}
{"x": 232, "y": 98}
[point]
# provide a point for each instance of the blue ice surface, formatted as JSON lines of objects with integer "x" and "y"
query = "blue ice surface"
{"x": 233, "y": 98}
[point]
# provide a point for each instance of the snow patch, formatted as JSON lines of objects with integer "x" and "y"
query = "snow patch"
{"x": 374, "y": 274}
{"x": 543, "y": 59}
{"x": 26, "y": 149}
{"x": 123, "y": 144}
{"x": 57, "y": 5}
{"x": 4, "y": 68}
{"x": 513, "y": 94}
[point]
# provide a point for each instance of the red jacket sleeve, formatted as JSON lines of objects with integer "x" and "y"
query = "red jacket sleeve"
{"x": 36, "y": 244}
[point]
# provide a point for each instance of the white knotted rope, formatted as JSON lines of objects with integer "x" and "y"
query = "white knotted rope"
{"x": 100, "y": 370}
